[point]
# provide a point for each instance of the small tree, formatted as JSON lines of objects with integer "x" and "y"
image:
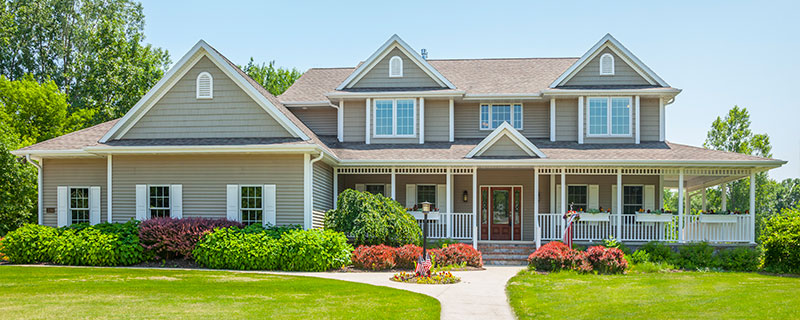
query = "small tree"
{"x": 371, "y": 219}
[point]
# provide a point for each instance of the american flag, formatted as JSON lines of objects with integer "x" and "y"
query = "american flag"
{"x": 568, "y": 231}
{"x": 424, "y": 266}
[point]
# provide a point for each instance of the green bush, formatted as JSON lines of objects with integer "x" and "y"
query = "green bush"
{"x": 373, "y": 219}
{"x": 240, "y": 249}
{"x": 28, "y": 244}
{"x": 314, "y": 250}
{"x": 639, "y": 256}
{"x": 696, "y": 255}
{"x": 659, "y": 252}
{"x": 780, "y": 242}
{"x": 652, "y": 267}
{"x": 738, "y": 259}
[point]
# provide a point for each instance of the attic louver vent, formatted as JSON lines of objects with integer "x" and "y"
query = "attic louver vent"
{"x": 395, "y": 67}
{"x": 607, "y": 64}
{"x": 205, "y": 86}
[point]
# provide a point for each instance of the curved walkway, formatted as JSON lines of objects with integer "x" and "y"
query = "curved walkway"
{"x": 479, "y": 295}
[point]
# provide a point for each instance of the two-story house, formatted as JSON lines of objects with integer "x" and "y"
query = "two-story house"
{"x": 500, "y": 147}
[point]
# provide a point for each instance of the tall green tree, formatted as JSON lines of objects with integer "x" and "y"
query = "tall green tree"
{"x": 275, "y": 80}
{"x": 92, "y": 49}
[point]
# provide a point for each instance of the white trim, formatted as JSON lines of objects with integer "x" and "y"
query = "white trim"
{"x": 396, "y": 94}
{"x": 421, "y": 120}
{"x": 394, "y": 42}
{"x": 505, "y": 129}
{"x": 109, "y": 189}
{"x": 394, "y": 134}
{"x": 638, "y": 117}
{"x": 239, "y": 187}
{"x": 367, "y": 107}
{"x": 581, "y": 100}
{"x": 511, "y": 105}
{"x": 148, "y": 209}
{"x": 650, "y": 92}
{"x": 307, "y": 191}
{"x": 611, "y": 73}
{"x": 609, "y": 117}
{"x": 552, "y": 119}
{"x": 475, "y": 190}
{"x": 340, "y": 121}
{"x": 199, "y": 95}
{"x": 609, "y": 41}
{"x": 181, "y": 68}
{"x": 396, "y": 59}
{"x": 451, "y": 118}
{"x": 662, "y": 115}
{"x": 297, "y": 104}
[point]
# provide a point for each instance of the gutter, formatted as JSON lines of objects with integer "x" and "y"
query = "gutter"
{"x": 38, "y": 186}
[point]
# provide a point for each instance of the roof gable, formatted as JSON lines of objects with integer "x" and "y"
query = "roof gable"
{"x": 178, "y": 71}
{"x": 506, "y": 141}
{"x": 421, "y": 70}
{"x": 622, "y": 57}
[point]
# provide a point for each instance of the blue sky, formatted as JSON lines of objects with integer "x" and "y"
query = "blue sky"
{"x": 720, "y": 53}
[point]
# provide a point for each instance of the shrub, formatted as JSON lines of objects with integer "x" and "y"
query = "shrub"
{"x": 652, "y": 267}
{"x": 612, "y": 242}
{"x": 105, "y": 244}
{"x": 639, "y": 256}
{"x": 696, "y": 255}
{"x": 659, "y": 252}
{"x": 169, "y": 238}
{"x": 780, "y": 242}
{"x": 441, "y": 243}
{"x": 372, "y": 219}
{"x": 458, "y": 253}
{"x": 314, "y": 250}
{"x": 553, "y": 256}
{"x": 380, "y": 257}
{"x": 28, "y": 244}
{"x": 606, "y": 260}
{"x": 240, "y": 249}
{"x": 406, "y": 256}
{"x": 738, "y": 259}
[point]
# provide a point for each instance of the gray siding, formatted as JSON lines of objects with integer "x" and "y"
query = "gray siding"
{"x": 75, "y": 173}
{"x": 504, "y": 147}
{"x": 650, "y": 120}
{"x": 323, "y": 193}
{"x": 204, "y": 179}
{"x": 413, "y": 75}
{"x": 321, "y": 120}
{"x": 354, "y": 119}
{"x": 437, "y": 120}
{"x": 231, "y": 113}
{"x": 567, "y": 119}
{"x": 535, "y": 115}
{"x": 590, "y": 74}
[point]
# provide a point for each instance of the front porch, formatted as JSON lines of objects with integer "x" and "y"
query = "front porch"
{"x": 526, "y": 204}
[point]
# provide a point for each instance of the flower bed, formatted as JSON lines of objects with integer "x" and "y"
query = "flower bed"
{"x": 556, "y": 256}
{"x": 442, "y": 277}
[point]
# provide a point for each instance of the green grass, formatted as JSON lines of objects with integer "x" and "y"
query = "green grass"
{"x": 686, "y": 295}
{"x": 62, "y": 292}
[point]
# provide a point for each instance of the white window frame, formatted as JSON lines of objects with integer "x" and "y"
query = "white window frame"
{"x": 394, "y": 119}
{"x": 263, "y": 203}
{"x": 586, "y": 204}
{"x": 395, "y": 59}
{"x": 211, "y": 85}
{"x": 609, "y": 116}
{"x": 612, "y": 65}
{"x": 70, "y": 208}
{"x": 169, "y": 200}
{"x": 435, "y": 205}
{"x": 521, "y": 114}
{"x": 623, "y": 195}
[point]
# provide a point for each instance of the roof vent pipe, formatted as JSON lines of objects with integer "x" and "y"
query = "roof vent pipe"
{"x": 424, "y": 54}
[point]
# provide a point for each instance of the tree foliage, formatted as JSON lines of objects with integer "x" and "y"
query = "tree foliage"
{"x": 275, "y": 80}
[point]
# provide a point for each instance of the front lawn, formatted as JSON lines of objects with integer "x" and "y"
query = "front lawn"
{"x": 684, "y": 295}
{"x": 64, "y": 292}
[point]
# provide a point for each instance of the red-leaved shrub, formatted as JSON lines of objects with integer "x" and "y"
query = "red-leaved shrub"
{"x": 458, "y": 253}
{"x": 171, "y": 238}
{"x": 606, "y": 260}
{"x": 380, "y": 257}
{"x": 407, "y": 255}
{"x": 554, "y": 256}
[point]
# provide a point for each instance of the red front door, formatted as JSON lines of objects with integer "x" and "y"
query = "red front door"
{"x": 500, "y": 213}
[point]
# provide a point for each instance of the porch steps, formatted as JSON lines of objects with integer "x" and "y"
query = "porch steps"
{"x": 506, "y": 254}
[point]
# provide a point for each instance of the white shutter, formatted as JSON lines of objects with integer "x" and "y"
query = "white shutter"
{"x": 361, "y": 187}
{"x": 614, "y": 198}
{"x": 233, "y": 202}
{"x": 63, "y": 206}
{"x": 94, "y": 205}
{"x": 594, "y": 195}
{"x": 649, "y": 197}
{"x": 558, "y": 199}
{"x": 270, "y": 205}
{"x": 141, "y": 202}
{"x": 176, "y": 201}
{"x": 441, "y": 197}
{"x": 411, "y": 195}
{"x": 387, "y": 190}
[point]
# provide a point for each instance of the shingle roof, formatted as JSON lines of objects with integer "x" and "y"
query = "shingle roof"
{"x": 315, "y": 83}
{"x": 75, "y": 140}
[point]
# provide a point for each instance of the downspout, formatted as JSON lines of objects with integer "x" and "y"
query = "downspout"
{"x": 310, "y": 195}
{"x": 38, "y": 186}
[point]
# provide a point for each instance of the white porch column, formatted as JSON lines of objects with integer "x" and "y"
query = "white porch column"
{"x": 475, "y": 207}
{"x": 340, "y": 121}
{"x": 394, "y": 184}
{"x": 552, "y": 119}
{"x": 563, "y": 199}
{"x": 449, "y": 187}
{"x": 688, "y": 205}
{"x": 367, "y": 126}
{"x": 752, "y": 206}
{"x": 108, "y": 186}
{"x": 335, "y": 187}
{"x": 536, "y": 228}
{"x": 619, "y": 204}
{"x": 421, "y": 120}
{"x": 703, "y": 194}
{"x": 724, "y": 194}
{"x": 580, "y": 120}
{"x": 638, "y": 121}
{"x": 681, "y": 237}
{"x": 452, "y": 121}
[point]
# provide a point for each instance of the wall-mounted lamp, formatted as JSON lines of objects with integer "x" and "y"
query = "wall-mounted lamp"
{"x": 466, "y": 196}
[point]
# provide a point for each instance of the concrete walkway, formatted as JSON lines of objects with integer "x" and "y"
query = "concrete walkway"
{"x": 479, "y": 295}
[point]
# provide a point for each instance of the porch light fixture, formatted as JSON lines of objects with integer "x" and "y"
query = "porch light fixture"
{"x": 466, "y": 196}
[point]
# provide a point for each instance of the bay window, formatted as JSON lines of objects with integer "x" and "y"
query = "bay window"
{"x": 493, "y": 115}
{"x": 395, "y": 118}
{"x": 609, "y": 116}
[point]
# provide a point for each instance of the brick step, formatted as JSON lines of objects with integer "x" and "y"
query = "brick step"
{"x": 507, "y": 250}
{"x": 496, "y": 256}
{"x": 505, "y": 262}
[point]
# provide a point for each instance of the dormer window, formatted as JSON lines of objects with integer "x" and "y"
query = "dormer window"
{"x": 607, "y": 65}
{"x": 205, "y": 86}
{"x": 395, "y": 67}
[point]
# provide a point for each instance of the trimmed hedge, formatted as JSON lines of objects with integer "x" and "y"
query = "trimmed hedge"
{"x": 606, "y": 260}
{"x": 406, "y": 257}
{"x": 371, "y": 219}
{"x": 780, "y": 242}
{"x": 380, "y": 257}
{"x": 553, "y": 256}
{"x": 458, "y": 253}
{"x": 556, "y": 256}
{"x": 169, "y": 238}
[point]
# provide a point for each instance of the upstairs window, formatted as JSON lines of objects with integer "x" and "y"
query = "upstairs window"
{"x": 493, "y": 115}
{"x": 395, "y": 118}
{"x": 607, "y": 65}
{"x": 205, "y": 86}
{"x": 395, "y": 67}
{"x": 609, "y": 116}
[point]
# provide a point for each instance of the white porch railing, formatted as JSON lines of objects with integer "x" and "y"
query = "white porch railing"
{"x": 714, "y": 228}
{"x": 450, "y": 225}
